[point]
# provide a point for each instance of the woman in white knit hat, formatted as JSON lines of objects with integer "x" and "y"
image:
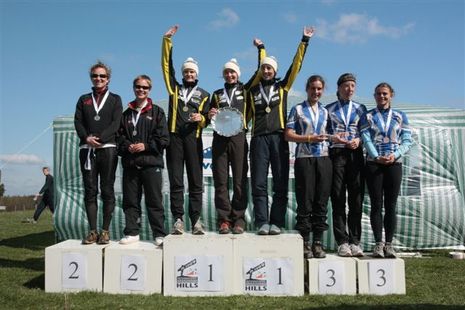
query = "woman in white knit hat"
{"x": 187, "y": 114}
{"x": 268, "y": 102}
{"x": 232, "y": 151}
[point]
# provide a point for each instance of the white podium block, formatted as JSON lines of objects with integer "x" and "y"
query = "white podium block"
{"x": 332, "y": 275}
{"x": 198, "y": 265}
{"x": 268, "y": 265}
{"x": 73, "y": 267}
{"x": 133, "y": 269}
{"x": 381, "y": 276}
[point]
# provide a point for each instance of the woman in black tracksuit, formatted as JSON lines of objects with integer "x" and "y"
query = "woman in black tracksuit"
{"x": 187, "y": 115}
{"x": 97, "y": 119}
{"x": 232, "y": 151}
{"x": 143, "y": 137}
{"x": 268, "y": 102}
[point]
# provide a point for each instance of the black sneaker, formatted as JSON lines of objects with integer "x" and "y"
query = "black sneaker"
{"x": 307, "y": 250}
{"x": 317, "y": 249}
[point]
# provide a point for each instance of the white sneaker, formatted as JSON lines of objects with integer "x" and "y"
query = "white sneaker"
{"x": 178, "y": 227}
{"x": 356, "y": 250}
{"x": 389, "y": 251}
{"x": 129, "y": 239}
{"x": 344, "y": 250}
{"x": 198, "y": 228}
{"x": 378, "y": 250}
{"x": 274, "y": 230}
{"x": 264, "y": 230}
{"x": 158, "y": 241}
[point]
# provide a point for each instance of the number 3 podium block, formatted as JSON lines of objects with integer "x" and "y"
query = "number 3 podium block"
{"x": 197, "y": 265}
{"x": 381, "y": 276}
{"x": 268, "y": 265}
{"x": 332, "y": 275}
{"x": 73, "y": 267}
{"x": 134, "y": 268}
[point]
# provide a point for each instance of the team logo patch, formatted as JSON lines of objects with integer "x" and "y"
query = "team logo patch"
{"x": 256, "y": 280}
{"x": 188, "y": 277}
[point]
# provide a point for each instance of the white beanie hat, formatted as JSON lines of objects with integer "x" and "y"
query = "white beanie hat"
{"x": 233, "y": 65}
{"x": 271, "y": 61}
{"x": 190, "y": 63}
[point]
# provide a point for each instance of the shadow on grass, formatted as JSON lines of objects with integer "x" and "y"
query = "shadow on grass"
{"x": 37, "y": 241}
{"x": 36, "y": 264}
{"x": 36, "y": 283}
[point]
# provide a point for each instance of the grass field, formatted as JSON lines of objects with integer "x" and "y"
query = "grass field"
{"x": 435, "y": 282}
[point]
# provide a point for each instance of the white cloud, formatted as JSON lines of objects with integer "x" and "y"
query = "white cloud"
{"x": 358, "y": 28}
{"x": 226, "y": 18}
{"x": 296, "y": 93}
{"x": 290, "y": 17}
{"x": 21, "y": 159}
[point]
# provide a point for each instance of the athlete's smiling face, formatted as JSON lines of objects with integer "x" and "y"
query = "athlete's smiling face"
{"x": 230, "y": 76}
{"x": 346, "y": 90}
{"x": 189, "y": 75}
{"x": 142, "y": 90}
{"x": 268, "y": 72}
{"x": 383, "y": 97}
{"x": 99, "y": 77}
{"x": 314, "y": 91}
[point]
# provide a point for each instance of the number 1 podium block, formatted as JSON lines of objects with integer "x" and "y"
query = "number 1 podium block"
{"x": 381, "y": 276}
{"x": 133, "y": 269}
{"x": 332, "y": 275}
{"x": 200, "y": 265}
{"x": 268, "y": 265}
{"x": 73, "y": 267}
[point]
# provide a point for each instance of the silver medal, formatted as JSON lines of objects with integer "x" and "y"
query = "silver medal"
{"x": 267, "y": 109}
{"x": 386, "y": 140}
{"x": 134, "y": 133}
{"x": 97, "y": 117}
{"x": 185, "y": 108}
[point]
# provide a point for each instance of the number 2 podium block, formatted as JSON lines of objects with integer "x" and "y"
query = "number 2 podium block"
{"x": 332, "y": 275}
{"x": 381, "y": 276}
{"x": 133, "y": 269}
{"x": 73, "y": 267}
{"x": 197, "y": 265}
{"x": 268, "y": 265}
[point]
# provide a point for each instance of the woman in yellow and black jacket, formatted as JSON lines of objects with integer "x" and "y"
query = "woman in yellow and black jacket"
{"x": 232, "y": 151}
{"x": 268, "y": 111}
{"x": 187, "y": 111}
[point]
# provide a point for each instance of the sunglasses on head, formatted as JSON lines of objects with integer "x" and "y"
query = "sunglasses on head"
{"x": 141, "y": 87}
{"x": 95, "y": 75}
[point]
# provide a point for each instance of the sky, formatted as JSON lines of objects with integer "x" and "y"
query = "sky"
{"x": 47, "y": 47}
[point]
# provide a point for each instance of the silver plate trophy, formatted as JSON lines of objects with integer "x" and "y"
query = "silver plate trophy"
{"x": 227, "y": 122}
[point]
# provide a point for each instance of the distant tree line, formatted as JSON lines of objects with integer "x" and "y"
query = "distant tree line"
{"x": 17, "y": 203}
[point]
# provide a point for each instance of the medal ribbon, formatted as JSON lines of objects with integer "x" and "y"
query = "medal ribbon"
{"x": 136, "y": 120}
{"x": 345, "y": 118}
{"x": 229, "y": 99}
{"x": 94, "y": 102}
{"x": 185, "y": 96}
{"x": 267, "y": 98}
{"x": 384, "y": 126}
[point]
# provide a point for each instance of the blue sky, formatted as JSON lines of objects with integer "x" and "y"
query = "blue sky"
{"x": 48, "y": 46}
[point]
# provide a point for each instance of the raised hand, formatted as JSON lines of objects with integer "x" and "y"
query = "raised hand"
{"x": 171, "y": 31}
{"x": 309, "y": 31}
{"x": 257, "y": 42}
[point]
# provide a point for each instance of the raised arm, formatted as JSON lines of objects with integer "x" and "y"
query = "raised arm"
{"x": 167, "y": 67}
{"x": 257, "y": 75}
{"x": 294, "y": 69}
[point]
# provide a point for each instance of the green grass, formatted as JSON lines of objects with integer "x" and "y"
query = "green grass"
{"x": 436, "y": 282}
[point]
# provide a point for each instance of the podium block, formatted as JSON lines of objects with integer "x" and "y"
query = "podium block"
{"x": 133, "y": 269}
{"x": 381, "y": 276}
{"x": 332, "y": 275}
{"x": 268, "y": 265}
{"x": 73, "y": 267}
{"x": 199, "y": 265}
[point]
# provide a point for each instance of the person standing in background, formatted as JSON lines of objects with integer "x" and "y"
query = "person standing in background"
{"x": 97, "y": 119}
{"x": 187, "y": 115}
{"x": 346, "y": 154}
{"x": 47, "y": 196}
{"x": 143, "y": 137}
{"x": 387, "y": 137}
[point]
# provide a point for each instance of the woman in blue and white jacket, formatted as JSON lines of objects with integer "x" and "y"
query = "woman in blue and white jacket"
{"x": 387, "y": 137}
